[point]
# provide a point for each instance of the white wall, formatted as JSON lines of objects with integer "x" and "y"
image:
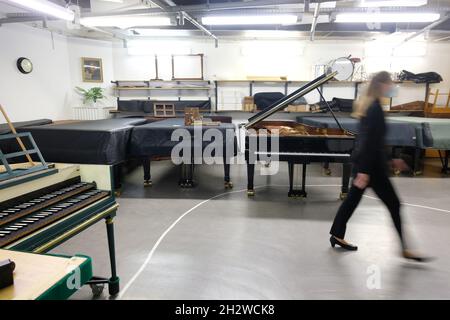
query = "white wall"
{"x": 42, "y": 93}
{"x": 79, "y": 48}
{"x": 292, "y": 58}
{"x": 49, "y": 90}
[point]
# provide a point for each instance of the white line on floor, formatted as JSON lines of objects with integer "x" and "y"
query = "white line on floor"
{"x": 414, "y": 205}
{"x": 163, "y": 235}
{"x": 150, "y": 255}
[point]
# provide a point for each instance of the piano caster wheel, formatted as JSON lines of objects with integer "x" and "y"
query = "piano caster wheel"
{"x": 327, "y": 171}
{"x": 343, "y": 195}
{"x": 113, "y": 286}
{"x": 117, "y": 193}
{"x": 250, "y": 193}
{"x": 97, "y": 289}
{"x": 417, "y": 173}
{"x": 297, "y": 194}
{"x": 396, "y": 172}
{"x": 186, "y": 184}
{"x": 148, "y": 183}
{"x": 228, "y": 185}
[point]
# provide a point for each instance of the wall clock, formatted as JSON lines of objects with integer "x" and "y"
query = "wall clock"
{"x": 24, "y": 65}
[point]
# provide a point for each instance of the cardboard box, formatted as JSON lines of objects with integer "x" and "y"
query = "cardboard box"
{"x": 248, "y": 104}
{"x": 298, "y": 108}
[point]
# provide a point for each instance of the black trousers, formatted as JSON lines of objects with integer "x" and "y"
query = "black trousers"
{"x": 380, "y": 183}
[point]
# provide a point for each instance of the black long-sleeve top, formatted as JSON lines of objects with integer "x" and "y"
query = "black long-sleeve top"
{"x": 369, "y": 154}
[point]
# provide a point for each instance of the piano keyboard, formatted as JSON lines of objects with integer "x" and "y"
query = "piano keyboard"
{"x": 28, "y": 207}
{"x": 23, "y": 219}
{"x": 307, "y": 154}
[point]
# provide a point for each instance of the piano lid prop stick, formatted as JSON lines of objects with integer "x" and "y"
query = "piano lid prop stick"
{"x": 13, "y": 130}
{"x": 332, "y": 113}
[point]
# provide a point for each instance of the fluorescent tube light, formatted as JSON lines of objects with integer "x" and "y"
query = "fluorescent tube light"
{"x": 392, "y": 3}
{"x": 125, "y": 22}
{"x": 162, "y": 32}
{"x": 249, "y": 20}
{"x": 46, "y": 7}
{"x": 277, "y": 34}
{"x": 386, "y": 17}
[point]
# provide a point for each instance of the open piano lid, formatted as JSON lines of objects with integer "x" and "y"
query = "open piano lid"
{"x": 282, "y": 103}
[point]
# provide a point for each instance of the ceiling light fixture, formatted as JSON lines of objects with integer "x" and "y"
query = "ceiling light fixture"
{"x": 271, "y": 34}
{"x": 392, "y": 3}
{"x": 47, "y": 8}
{"x": 124, "y": 22}
{"x": 386, "y": 17}
{"x": 162, "y": 32}
{"x": 249, "y": 20}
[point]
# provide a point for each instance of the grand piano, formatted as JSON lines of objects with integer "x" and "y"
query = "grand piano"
{"x": 296, "y": 143}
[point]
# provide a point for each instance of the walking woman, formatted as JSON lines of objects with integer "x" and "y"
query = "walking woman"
{"x": 370, "y": 165}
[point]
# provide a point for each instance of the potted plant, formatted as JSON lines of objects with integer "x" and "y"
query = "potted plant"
{"x": 91, "y": 95}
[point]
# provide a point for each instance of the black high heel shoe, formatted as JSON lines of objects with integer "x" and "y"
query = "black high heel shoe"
{"x": 345, "y": 246}
{"x": 410, "y": 256}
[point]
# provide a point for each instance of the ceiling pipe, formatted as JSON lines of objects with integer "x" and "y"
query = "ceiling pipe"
{"x": 443, "y": 39}
{"x": 204, "y": 7}
{"x": 426, "y": 29}
{"x": 201, "y": 27}
{"x": 185, "y": 16}
{"x": 314, "y": 22}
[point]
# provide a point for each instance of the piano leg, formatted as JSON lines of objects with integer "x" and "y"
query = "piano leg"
{"x": 113, "y": 283}
{"x": 117, "y": 172}
{"x": 293, "y": 192}
{"x": 418, "y": 154}
{"x": 187, "y": 175}
{"x": 445, "y": 161}
{"x": 346, "y": 172}
{"x": 250, "y": 178}
{"x": 97, "y": 284}
{"x": 226, "y": 168}
{"x": 326, "y": 168}
{"x": 147, "y": 177}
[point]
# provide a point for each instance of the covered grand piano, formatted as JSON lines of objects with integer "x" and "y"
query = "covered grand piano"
{"x": 296, "y": 143}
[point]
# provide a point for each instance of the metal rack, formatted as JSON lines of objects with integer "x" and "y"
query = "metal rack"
{"x": 161, "y": 88}
{"x": 10, "y": 170}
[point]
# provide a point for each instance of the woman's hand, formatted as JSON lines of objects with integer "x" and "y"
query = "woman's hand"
{"x": 399, "y": 164}
{"x": 361, "y": 181}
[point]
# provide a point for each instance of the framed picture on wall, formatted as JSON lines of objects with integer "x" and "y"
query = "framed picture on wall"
{"x": 92, "y": 69}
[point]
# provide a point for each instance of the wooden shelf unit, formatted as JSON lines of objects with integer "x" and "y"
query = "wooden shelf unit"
{"x": 150, "y": 88}
{"x": 286, "y": 83}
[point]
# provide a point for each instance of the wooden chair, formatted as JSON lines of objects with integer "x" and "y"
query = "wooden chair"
{"x": 432, "y": 109}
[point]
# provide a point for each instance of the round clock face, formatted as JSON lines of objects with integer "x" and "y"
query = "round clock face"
{"x": 24, "y": 65}
{"x": 344, "y": 67}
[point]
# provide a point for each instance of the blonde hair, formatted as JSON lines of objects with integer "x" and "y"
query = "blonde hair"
{"x": 372, "y": 93}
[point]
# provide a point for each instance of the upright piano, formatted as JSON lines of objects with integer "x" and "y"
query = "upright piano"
{"x": 43, "y": 205}
{"x": 296, "y": 143}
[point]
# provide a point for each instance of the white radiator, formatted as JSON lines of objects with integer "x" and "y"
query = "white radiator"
{"x": 91, "y": 113}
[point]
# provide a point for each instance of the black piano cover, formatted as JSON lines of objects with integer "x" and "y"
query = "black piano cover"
{"x": 397, "y": 134}
{"x": 154, "y": 139}
{"x": 87, "y": 142}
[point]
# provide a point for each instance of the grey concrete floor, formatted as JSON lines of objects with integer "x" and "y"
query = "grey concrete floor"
{"x": 269, "y": 246}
